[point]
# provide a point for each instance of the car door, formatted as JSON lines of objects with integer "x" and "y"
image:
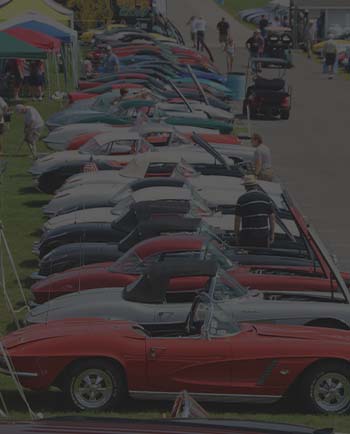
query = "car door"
{"x": 194, "y": 363}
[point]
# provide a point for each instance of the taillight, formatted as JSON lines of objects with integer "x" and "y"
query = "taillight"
{"x": 285, "y": 102}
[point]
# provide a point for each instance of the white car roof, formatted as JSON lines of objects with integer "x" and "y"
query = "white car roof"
{"x": 162, "y": 193}
{"x": 116, "y": 134}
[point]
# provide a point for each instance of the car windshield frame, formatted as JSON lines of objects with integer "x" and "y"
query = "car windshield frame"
{"x": 205, "y": 317}
{"x": 222, "y": 278}
{"x": 123, "y": 205}
{"x": 125, "y": 261}
{"x": 210, "y": 248}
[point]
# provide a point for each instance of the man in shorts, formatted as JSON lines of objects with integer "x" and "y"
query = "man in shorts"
{"x": 33, "y": 126}
{"x": 223, "y": 29}
{"x": 254, "y": 216}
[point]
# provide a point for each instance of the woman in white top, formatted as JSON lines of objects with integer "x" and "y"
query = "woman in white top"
{"x": 192, "y": 23}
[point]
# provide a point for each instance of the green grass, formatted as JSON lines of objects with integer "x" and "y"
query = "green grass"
{"x": 20, "y": 212}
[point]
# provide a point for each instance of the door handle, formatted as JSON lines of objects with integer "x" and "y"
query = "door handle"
{"x": 154, "y": 350}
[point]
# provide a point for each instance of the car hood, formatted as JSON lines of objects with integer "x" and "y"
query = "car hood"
{"x": 100, "y": 177}
{"x": 90, "y": 297}
{"x": 92, "y": 215}
{"x": 59, "y": 329}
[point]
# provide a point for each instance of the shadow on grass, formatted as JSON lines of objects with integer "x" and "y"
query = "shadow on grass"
{"x": 36, "y": 233}
{"x": 27, "y": 282}
{"x": 29, "y": 263}
{"x": 35, "y": 203}
{"x": 29, "y": 190}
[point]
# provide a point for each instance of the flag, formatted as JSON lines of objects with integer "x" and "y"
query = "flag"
{"x": 91, "y": 166}
{"x": 184, "y": 170}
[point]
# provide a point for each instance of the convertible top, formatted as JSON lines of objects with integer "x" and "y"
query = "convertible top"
{"x": 159, "y": 226}
{"x": 156, "y": 182}
{"x": 145, "y": 210}
{"x": 154, "y": 284}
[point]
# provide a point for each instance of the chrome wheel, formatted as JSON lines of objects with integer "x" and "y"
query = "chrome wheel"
{"x": 93, "y": 388}
{"x": 331, "y": 392}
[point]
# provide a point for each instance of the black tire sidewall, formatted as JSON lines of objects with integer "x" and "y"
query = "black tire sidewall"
{"x": 313, "y": 375}
{"x": 114, "y": 372}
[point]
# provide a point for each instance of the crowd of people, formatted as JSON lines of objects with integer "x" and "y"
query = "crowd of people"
{"x": 25, "y": 77}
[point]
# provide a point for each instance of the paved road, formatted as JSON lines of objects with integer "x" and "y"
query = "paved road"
{"x": 312, "y": 150}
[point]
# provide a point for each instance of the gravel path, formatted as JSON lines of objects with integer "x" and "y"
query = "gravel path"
{"x": 311, "y": 151}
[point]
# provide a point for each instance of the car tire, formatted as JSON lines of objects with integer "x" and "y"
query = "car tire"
{"x": 95, "y": 385}
{"x": 325, "y": 388}
{"x": 285, "y": 115}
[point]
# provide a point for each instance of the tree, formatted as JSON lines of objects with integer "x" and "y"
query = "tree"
{"x": 90, "y": 13}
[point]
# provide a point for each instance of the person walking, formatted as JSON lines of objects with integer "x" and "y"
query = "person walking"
{"x": 330, "y": 53}
{"x": 201, "y": 27}
{"x": 255, "y": 218}
{"x": 192, "y": 22}
{"x": 112, "y": 64}
{"x": 223, "y": 28}
{"x": 263, "y": 24}
{"x": 256, "y": 46}
{"x": 3, "y": 110}
{"x": 262, "y": 159}
{"x": 33, "y": 126}
{"x": 230, "y": 54}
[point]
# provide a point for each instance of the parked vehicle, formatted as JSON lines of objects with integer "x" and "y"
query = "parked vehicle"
{"x": 265, "y": 96}
{"x": 75, "y": 354}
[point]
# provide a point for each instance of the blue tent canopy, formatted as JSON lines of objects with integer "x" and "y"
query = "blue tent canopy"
{"x": 47, "y": 29}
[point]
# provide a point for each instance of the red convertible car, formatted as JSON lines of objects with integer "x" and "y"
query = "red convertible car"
{"x": 273, "y": 278}
{"x": 97, "y": 363}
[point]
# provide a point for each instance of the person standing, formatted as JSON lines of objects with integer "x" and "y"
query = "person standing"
{"x": 230, "y": 53}
{"x": 201, "y": 27}
{"x": 3, "y": 110}
{"x": 192, "y": 22}
{"x": 262, "y": 159}
{"x": 330, "y": 53}
{"x": 223, "y": 28}
{"x": 263, "y": 24}
{"x": 256, "y": 44}
{"x": 254, "y": 216}
{"x": 112, "y": 64}
{"x": 36, "y": 79}
{"x": 33, "y": 126}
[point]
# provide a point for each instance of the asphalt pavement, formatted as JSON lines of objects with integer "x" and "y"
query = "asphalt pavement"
{"x": 311, "y": 151}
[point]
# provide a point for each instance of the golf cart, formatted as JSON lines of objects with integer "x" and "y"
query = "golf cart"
{"x": 279, "y": 44}
{"x": 267, "y": 96}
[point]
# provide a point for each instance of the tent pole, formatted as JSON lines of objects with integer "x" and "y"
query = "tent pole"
{"x": 48, "y": 78}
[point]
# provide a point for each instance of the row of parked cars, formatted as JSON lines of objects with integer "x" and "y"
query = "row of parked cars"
{"x": 142, "y": 290}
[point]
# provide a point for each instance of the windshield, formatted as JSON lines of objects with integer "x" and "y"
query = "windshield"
{"x": 199, "y": 206}
{"x": 123, "y": 205}
{"x": 330, "y": 262}
{"x": 210, "y": 251}
{"x": 130, "y": 263}
{"x": 225, "y": 287}
{"x": 125, "y": 146}
{"x": 211, "y": 320}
